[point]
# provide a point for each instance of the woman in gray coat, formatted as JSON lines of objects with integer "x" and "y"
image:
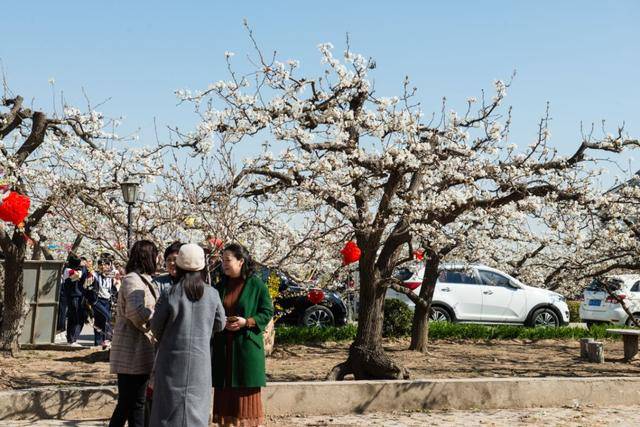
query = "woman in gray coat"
{"x": 184, "y": 322}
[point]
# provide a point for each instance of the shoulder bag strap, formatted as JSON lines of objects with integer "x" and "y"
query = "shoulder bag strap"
{"x": 152, "y": 288}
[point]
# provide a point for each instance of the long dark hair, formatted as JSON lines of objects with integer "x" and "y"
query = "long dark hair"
{"x": 193, "y": 282}
{"x": 143, "y": 257}
{"x": 241, "y": 253}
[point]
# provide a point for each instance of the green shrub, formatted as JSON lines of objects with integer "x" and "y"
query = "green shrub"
{"x": 447, "y": 331}
{"x": 315, "y": 334}
{"x": 397, "y": 319}
{"x": 574, "y": 311}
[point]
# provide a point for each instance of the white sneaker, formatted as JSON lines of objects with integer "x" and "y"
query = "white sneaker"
{"x": 75, "y": 344}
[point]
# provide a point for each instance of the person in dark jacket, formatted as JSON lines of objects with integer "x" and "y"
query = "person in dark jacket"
{"x": 73, "y": 285}
{"x": 238, "y": 352}
{"x": 166, "y": 281}
{"x": 184, "y": 322}
{"x": 61, "y": 325}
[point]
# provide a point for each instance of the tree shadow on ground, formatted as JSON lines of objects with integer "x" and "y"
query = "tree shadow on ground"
{"x": 94, "y": 357}
{"x": 50, "y": 403}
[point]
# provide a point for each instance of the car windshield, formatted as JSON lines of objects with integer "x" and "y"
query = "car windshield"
{"x": 597, "y": 286}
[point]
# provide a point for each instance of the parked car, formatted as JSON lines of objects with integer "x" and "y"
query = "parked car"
{"x": 480, "y": 294}
{"x": 300, "y": 305}
{"x": 599, "y": 307}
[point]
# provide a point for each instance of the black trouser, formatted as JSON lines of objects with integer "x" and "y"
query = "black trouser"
{"x": 101, "y": 321}
{"x": 75, "y": 320}
{"x": 62, "y": 313}
{"x": 130, "y": 406}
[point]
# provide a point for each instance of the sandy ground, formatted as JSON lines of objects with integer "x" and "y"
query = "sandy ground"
{"x": 85, "y": 367}
{"x": 566, "y": 417}
{"x": 459, "y": 359}
{"x": 574, "y": 417}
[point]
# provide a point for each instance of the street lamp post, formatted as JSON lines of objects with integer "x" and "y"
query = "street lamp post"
{"x": 129, "y": 194}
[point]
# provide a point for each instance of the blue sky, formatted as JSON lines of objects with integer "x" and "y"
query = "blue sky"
{"x": 581, "y": 56}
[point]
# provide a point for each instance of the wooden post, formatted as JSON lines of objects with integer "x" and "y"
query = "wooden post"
{"x": 583, "y": 347}
{"x": 595, "y": 352}
{"x": 630, "y": 346}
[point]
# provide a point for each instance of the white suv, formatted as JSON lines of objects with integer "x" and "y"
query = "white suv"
{"x": 599, "y": 307}
{"x": 481, "y": 294}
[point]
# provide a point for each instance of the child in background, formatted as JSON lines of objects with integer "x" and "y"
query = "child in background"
{"x": 104, "y": 284}
{"x": 73, "y": 286}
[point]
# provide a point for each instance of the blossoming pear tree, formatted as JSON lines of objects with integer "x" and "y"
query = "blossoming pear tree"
{"x": 574, "y": 243}
{"x": 191, "y": 200}
{"x": 56, "y": 160}
{"x": 278, "y": 237}
{"x": 392, "y": 174}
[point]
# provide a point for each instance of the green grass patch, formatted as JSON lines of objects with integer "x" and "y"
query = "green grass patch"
{"x": 449, "y": 331}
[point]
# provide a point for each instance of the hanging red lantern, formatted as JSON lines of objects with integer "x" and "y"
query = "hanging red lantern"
{"x": 315, "y": 296}
{"x": 350, "y": 253}
{"x": 215, "y": 242}
{"x": 14, "y": 207}
{"x": 418, "y": 254}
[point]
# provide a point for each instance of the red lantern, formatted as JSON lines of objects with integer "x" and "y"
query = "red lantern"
{"x": 215, "y": 242}
{"x": 350, "y": 253}
{"x": 14, "y": 208}
{"x": 315, "y": 296}
{"x": 419, "y": 254}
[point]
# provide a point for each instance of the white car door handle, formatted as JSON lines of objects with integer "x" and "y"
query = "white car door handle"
{"x": 488, "y": 292}
{"x": 445, "y": 290}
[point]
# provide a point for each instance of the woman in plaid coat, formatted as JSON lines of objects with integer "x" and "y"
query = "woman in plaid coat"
{"x": 132, "y": 349}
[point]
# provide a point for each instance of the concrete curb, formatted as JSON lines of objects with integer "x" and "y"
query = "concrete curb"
{"x": 349, "y": 397}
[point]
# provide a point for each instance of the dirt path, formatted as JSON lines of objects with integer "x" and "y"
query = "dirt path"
{"x": 566, "y": 417}
{"x": 467, "y": 359}
{"x": 455, "y": 359}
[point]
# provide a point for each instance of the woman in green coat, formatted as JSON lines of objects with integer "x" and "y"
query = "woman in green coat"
{"x": 238, "y": 361}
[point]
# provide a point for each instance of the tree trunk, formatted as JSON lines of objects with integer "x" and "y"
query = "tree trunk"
{"x": 420, "y": 324}
{"x": 76, "y": 243}
{"x": 367, "y": 359}
{"x": 15, "y": 306}
{"x": 37, "y": 252}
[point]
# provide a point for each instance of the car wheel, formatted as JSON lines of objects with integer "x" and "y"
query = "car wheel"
{"x": 318, "y": 315}
{"x": 439, "y": 314}
{"x": 545, "y": 318}
{"x": 590, "y": 324}
{"x": 629, "y": 322}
